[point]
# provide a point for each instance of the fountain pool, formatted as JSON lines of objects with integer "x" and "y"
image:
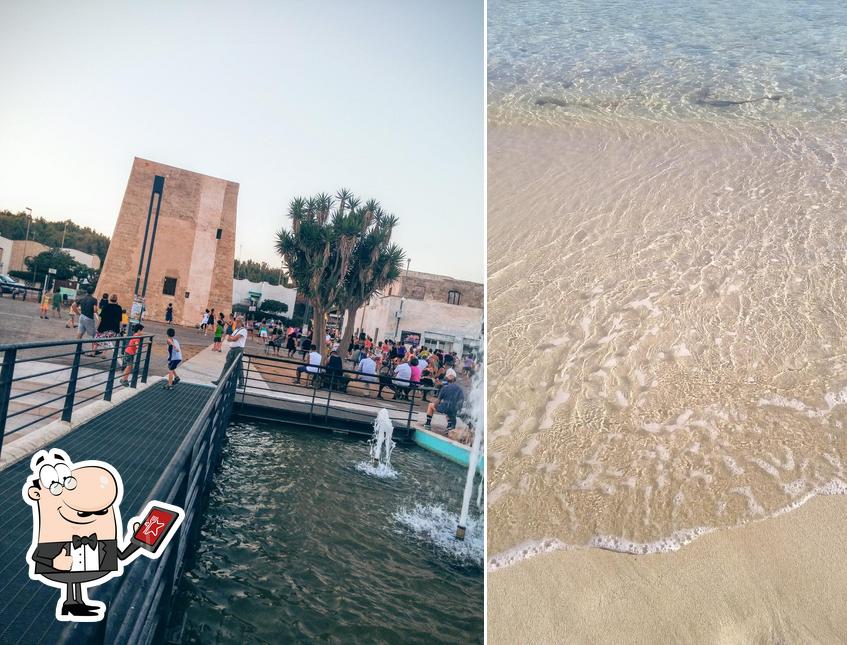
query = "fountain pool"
{"x": 298, "y": 545}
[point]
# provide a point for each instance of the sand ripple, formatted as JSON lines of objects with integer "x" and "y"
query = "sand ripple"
{"x": 667, "y": 309}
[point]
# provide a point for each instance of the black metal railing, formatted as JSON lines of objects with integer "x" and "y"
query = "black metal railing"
{"x": 64, "y": 389}
{"x": 323, "y": 393}
{"x": 19, "y": 290}
{"x": 141, "y": 602}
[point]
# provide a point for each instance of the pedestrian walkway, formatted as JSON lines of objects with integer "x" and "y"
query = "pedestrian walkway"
{"x": 139, "y": 438}
{"x": 206, "y": 366}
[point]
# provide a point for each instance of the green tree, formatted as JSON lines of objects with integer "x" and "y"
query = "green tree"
{"x": 13, "y": 226}
{"x": 259, "y": 272}
{"x": 66, "y": 267}
{"x": 318, "y": 250}
{"x": 376, "y": 264}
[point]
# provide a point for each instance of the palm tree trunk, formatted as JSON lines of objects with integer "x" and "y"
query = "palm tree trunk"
{"x": 319, "y": 335}
{"x": 349, "y": 326}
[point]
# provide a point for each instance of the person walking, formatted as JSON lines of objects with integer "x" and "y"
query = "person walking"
{"x": 174, "y": 358}
{"x": 291, "y": 344}
{"x": 169, "y": 313}
{"x": 237, "y": 340}
{"x": 110, "y": 322}
{"x": 86, "y": 305}
{"x": 73, "y": 312}
{"x": 449, "y": 403}
{"x": 131, "y": 352}
{"x": 45, "y": 305}
{"x": 57, "y": 303}
{"x": 219, "y": 334}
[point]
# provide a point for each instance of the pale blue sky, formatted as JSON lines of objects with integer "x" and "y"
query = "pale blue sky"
{"x": 286, "y": 98}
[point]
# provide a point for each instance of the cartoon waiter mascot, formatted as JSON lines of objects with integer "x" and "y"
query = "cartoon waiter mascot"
{"x": 75, "y": 539}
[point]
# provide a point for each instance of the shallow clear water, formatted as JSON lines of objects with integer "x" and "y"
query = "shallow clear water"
{"x": 659, "y": 56}
{"x": 667, "y": 274}
{"x": 298, "y": 545}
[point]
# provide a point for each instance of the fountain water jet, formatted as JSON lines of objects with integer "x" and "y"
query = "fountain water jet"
{"x": 476, "y": 400}
{"x": 379, "y": 452}
{"x": 381, "y": 442}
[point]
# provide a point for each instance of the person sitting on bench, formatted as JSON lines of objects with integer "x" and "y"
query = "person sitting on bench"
{"x": 314, "y": 358}
{"x": 402, "y": 380}
{"x": 335, "y": 378}
{"x": 451, "y": 398}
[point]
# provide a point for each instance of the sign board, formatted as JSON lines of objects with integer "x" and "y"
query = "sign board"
{"x": 136, "y": 312}
{"x": 252, "y": 308}
{"x": 411, "y": 337}
{"x": 51, "y": 271}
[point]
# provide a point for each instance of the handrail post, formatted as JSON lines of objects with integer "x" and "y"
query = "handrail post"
{"x": 314, "y": 391}
{"x": 146, "y": 361}
{"x": 113, "y": 366}
{"x": 411, "y": 391}
{"x": 246, "y": 375}
{"x": 136, "y": 364}
{"x": 7, "y": 373}
{"x": 69, "y": 397}
{"x": 329, "y": 396}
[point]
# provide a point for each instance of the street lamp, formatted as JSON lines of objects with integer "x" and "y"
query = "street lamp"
{"x": 26, "y": 237}
{"x": 399, "y": 314}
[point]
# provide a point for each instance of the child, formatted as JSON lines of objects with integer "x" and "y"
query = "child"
{"x": 174, "y": 358}
{"x": 219, "y": 333}
{"x": 263, "y": 333}
{"x": 131, "y": 352}
{"x": 45, "y": 304}
{"x": 73, "y": 312}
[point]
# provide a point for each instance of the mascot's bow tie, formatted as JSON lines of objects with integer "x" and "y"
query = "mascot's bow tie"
{"x": 91, "y": 541}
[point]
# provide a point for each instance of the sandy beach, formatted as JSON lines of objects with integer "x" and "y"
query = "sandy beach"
{"x": 667, "y": 276}
{"x": 780, "y": 580}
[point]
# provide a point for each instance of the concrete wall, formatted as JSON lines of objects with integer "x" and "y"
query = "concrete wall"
{"x": 5, "y": 254}
{"x": 241, "y": 293}
{"x": 193, "y": 208}
{"x": 22, "y": 250}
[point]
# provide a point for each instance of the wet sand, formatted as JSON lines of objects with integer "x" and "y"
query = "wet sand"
{"x": 780, "y": 580}
{"x": 666, "y": 328}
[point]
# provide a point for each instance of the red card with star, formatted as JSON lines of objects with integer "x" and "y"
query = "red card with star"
{"x": 153, "y": 529}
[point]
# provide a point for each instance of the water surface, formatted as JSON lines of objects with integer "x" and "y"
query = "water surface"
{"x": 297, "y": 545}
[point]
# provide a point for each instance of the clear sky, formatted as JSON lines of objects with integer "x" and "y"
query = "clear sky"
{"x": 287, "y": 98}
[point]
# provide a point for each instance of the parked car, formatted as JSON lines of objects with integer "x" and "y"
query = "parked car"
{"x": 10, "y": 285}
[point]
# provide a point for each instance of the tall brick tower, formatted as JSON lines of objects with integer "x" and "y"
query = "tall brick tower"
{"x": 194, "y": 248}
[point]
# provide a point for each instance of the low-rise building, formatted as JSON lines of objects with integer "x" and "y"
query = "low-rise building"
{"x": 246, "y": 292}
{"x": 432, "y": 310}
{"x": 21, "y": 250}
{"x": 89, "y": 260}
{"x": 14, "y": 252}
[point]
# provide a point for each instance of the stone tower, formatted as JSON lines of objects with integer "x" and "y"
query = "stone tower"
{"x": 194, "y": 249}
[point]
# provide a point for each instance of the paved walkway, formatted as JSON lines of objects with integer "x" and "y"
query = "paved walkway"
{"x": 139, "y": 438}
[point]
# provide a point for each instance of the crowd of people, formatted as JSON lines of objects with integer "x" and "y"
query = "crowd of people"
{"x": 399, "y": 368}
{"x": 106, "y": 322}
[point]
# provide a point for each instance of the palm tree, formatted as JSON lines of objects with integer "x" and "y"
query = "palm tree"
{"x": 319, "y": 249}
{"x": 376, "y": 264}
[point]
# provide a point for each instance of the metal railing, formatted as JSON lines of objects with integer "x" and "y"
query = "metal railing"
{"x": 323, "y": 394}
{"x": 28, "y": 398}
{"x": 141, "y": 603}
{"x": 18, "y": 290}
